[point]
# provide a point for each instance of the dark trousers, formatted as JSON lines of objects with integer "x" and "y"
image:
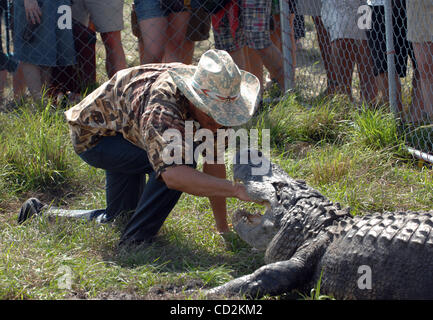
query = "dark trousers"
{"x": 126, "y": 167}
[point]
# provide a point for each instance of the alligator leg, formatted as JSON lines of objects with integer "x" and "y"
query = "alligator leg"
{"x": 273, "y": 279}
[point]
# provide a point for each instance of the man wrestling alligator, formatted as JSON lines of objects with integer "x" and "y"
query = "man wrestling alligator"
{"x": 120, "y": 128}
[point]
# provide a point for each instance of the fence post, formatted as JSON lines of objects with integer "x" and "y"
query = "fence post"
{"x": 391, "y": 57}
{"x": 287, "y": 45}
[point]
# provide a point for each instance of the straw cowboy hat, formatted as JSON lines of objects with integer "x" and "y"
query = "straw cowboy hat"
{"x": 219, "y": 88}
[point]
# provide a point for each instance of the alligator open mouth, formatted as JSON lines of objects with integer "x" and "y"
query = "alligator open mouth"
{"x": 254, "y": 228}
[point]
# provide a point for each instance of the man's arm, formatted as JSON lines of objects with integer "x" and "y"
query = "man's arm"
{"x": 218, "y": 204}
{"x": 192, "y": 181}
{"x": 211, "y": 183}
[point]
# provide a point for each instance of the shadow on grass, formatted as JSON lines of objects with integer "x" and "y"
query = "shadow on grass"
{"x": 176, "y": 251}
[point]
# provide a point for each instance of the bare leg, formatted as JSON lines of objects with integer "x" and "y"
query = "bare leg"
{"x": 254, "y": 64}
{"x": 19, "y": 83}
{"x": 424, "y": 57}
{"x": 32, "y": 75}
{"x": 292, "y": 40}
{"x": 115, "y": 56}
{"x": 176, "y": 31}
{"x": 45, "y": 77}
{"x": 3, "y": 77}
{"x": 365, "y": 70}
{"x": 326, "y": 52}
{"x": 273, "y": 61}
{"x": 417, "y": 103}
{"x": 276, "y": 34}
{"x": 186, "y": 52}
{"x": 141, "y": 50}
{"x": 239, "y": 58}
{"x": 153, "y": 35}
{"x": 344, "y": 62}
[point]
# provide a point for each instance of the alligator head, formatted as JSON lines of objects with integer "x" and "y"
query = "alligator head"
{"x": 293, "y": 210}
{"x": 269, "y": 187}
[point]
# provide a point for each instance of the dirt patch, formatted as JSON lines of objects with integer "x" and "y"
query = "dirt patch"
{"x": 169, "y": 291}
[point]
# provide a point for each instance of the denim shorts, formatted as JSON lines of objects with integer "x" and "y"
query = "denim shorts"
{"x": 147, "y": 9}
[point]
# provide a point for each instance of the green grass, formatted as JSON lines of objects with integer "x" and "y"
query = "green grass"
{"x": 353, "y": 156}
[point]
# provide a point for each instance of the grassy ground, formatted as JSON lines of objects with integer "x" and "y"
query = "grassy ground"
{"x": 353, "y": 156}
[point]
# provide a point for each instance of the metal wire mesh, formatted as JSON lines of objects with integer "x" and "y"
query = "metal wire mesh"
{"x": 325, "y": 47}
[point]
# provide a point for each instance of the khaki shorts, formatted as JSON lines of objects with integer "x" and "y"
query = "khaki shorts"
{"x": 340, "y": 18}
{"x": 106, "y": 15}
{"x": 420, "y": 20}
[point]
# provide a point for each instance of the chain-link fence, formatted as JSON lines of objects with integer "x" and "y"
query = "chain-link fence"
{"x": 65, "y": 48}
{"x": 353, "y": 47}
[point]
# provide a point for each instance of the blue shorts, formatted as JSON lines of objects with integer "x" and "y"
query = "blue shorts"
{"x": 147, "y": 9}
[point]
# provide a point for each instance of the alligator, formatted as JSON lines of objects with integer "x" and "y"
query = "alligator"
{"x": 309, "y": 240}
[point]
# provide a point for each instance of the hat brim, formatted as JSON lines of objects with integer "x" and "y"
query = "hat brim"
{"x": 230, "y": 114}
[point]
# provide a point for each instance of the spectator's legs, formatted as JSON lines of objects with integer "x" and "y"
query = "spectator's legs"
{"x": 326, "y": 52}
{"x": 256, "y": 28}
{"x": 141, "y": 50}
{"x": 18, "y": 83}
{"x": 239, "y": 58}
{"x": 273, "y": 61}
{"x": 36, "y": 78}
{"x": 292, "y": 40}
{"x": 365, "y": 71}
{"x": 187, "y": 51}
{"x": 347, "y": 52}
{"x": 115, "y": 56}
{"x": 176, "y": 30}
{"x": 3, "y": 76}
{"x": 276, "y": 33}
{"x": 344, "y": 61}
{"x": 153, "y": 35}
{"x": 254, "y": 64}
{"x": 424, "y": 58}
{"x": 417, "y": 103}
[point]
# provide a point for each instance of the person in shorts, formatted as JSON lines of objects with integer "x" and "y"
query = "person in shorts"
{"x": 313, "y": 8}
{"x": 19, "y": 86}
{"x": 420, "y": 33}
{"x": 107, "y": 16}
{"x": 199, "y": 25}
{"x": 252, "y": 29}
{"x": 39, "y": 44}
{"x": 163, "y": 25}
{"x": 402, "y": 48}
{"x": 349, "y": 47}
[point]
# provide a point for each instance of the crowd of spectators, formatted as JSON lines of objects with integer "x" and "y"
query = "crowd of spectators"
{"x": 60, "y": 61}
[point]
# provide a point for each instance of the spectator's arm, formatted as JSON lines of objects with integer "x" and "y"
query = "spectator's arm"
{"x": 33, "y": 11}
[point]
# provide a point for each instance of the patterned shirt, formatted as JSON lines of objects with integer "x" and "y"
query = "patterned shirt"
{"x": 140, "y": 103}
